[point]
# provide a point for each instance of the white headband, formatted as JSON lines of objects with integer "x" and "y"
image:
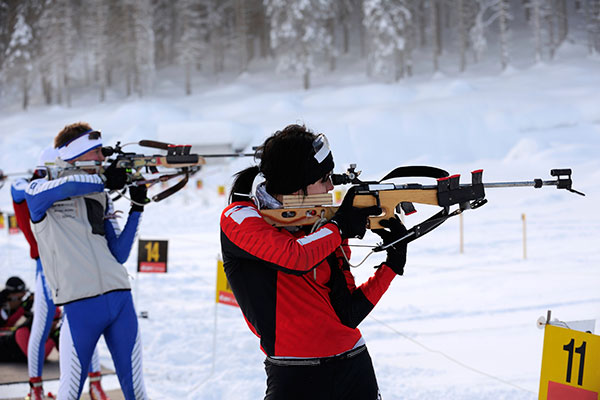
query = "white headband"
{"x": 321, "y": 146}
{"x": 78, "y": 146}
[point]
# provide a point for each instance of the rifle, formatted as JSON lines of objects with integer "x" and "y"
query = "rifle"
{"x": 177, "y": 157}
{"x": 4, "y": 177}
{"x": 392, "y": 198}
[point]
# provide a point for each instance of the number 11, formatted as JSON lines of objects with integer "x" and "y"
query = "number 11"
{"x": 581, "y": 351}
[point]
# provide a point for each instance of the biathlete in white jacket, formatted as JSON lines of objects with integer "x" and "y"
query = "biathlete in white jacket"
{"x": 82, "y": 250}
{"x": 43, "y": 306}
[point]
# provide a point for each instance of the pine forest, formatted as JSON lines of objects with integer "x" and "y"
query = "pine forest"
{"x": 51, "y": 50}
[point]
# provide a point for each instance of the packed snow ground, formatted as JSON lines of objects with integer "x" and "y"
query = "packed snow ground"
{"x": 455, "y": 326}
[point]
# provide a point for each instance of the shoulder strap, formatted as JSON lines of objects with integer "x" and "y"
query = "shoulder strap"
{"x": 416, "y": 171}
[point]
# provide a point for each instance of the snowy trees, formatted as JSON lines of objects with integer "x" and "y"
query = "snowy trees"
{"x": 299, "y": 34}
{"x": 57, "y": 50}
{"x": 51, "y": 48}
{"x": 17, "y": 65}
{"x": 387, "y": 24}
{"x": 190, "y": 45}
{"x": 137, "y": 55}
{"x": 592, "y": 13}
{"x": 501, "y": 9}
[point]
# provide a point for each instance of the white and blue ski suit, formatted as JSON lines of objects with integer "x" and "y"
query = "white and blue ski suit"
{"x": 82, "y": 251}
{"x": 43, "y": 306}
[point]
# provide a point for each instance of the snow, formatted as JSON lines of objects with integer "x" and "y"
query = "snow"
{"x": 456, "y": 326}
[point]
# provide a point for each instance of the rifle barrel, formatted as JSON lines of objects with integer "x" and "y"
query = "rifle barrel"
{"x": 227, "y": 155}
{"x": 28, "y": 172}
{"x": 388, "y": 186}
{"x": 518, "y": 184}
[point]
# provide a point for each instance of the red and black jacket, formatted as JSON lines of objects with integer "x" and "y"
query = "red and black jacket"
{"x": 295, "y": 290}
{"x": 22, "y": 215}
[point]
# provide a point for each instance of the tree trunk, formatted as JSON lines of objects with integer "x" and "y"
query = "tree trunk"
{"x": 346, "y": 38}
{"x": 363, "y": 34}
{"x": 436, "y": 33}
{"x": 59, "y": 88}
{"x": 102, "y": 97}
{"x": 25, "y": 88}
{"x": 241, "y": 27}
{"x": 306, "y": 79}
{"x": 422, "y": 23}
{"x": 218, "y": 51}
{"x": 462, "y": 35}
{"x": 503, "y": 22}
{"x": 398, "y": 64}
{"x": 128, "y": 84}
{"x": 264, "y": 39}
{"x": 537, "y": 28}
{"x": 594, "y": 25}
{"x": 528, "y": 10}
{"x": 550, "y": 19}
{"x": 188, "y": 79}
{"x": 67, "y": 89}
{"x": 46, "y": 89}
{"x": 564, "y": 20}
{"x": 332, "y": 57}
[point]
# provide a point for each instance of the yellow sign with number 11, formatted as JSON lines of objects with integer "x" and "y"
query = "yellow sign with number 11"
{"x": 570, "y": 365}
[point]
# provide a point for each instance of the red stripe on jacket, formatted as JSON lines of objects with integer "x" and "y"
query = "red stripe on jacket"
{"x": 277, "y": 246}
{"x": 23, "y": 221}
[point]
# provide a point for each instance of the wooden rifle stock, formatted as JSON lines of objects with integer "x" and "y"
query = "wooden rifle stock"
{"x": 307, "y": 211}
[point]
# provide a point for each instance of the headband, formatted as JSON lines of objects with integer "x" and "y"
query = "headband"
{"x": 79, "y": 145}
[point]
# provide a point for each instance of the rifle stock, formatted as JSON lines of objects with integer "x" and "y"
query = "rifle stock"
{"x": 310, "y": 212}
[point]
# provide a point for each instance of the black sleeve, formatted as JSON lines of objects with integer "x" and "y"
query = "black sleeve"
{"x": 350, "y": 307}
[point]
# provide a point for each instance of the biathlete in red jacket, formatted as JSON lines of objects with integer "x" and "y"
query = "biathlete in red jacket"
{"x": 294, "y": 287}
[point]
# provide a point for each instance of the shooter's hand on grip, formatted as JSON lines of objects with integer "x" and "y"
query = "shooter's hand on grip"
{"x": 139, "y": 197}
{"x": 114, "y": 178}
{"x": 396, "y": 254}
{"x": 352, "y": 221}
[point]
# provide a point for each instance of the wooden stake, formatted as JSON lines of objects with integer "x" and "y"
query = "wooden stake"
{"x": 462, "y": 247}
{"x": 524, "y": 219}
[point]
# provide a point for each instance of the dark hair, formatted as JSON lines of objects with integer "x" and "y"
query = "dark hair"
{"x": 287, "y": 160}
{"x": 70, "y": 132}
{"x": 242, "y": 184}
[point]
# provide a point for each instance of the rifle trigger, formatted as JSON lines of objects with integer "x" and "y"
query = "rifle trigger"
{"x": 378, "y": 248}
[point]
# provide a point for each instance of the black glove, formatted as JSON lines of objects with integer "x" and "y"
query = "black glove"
{"x": 115, "y": 178}
{"x": 139, "y": 195}
{"x": 396, "y": 254}
{"x": 352, "y": 221}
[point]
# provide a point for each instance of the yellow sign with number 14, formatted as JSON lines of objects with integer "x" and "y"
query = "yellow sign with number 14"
{"x": 570, "y": 365}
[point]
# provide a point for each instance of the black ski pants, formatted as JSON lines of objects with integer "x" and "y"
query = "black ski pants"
{"x": 349, "y": 376}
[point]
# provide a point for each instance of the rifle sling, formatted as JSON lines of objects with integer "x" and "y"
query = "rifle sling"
{"x": 175, "y": 188}
{"x": 424, "y": 227}
{"x": 154, "y": 144}
{"x": 416, "y": 171}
